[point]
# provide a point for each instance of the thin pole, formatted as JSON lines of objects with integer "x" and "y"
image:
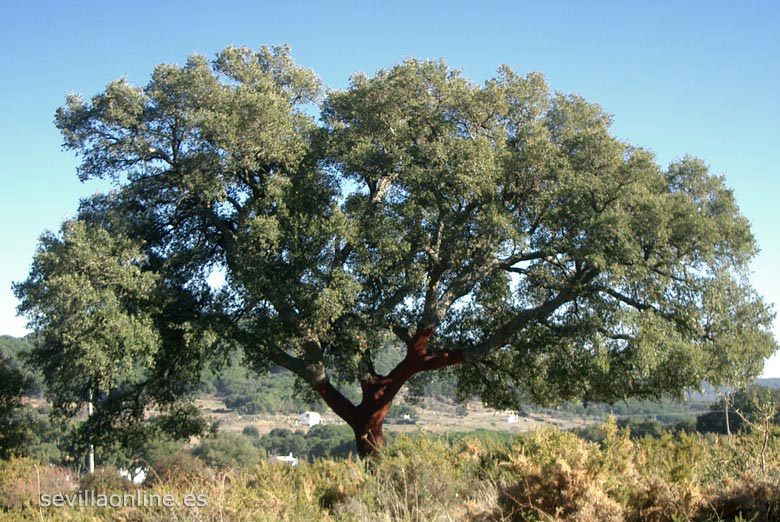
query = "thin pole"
{"x": 91, "y": 451}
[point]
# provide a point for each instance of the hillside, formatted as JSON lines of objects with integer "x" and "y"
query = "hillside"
{"x": 772, "y": 382}
{"x": 12, "y": 346}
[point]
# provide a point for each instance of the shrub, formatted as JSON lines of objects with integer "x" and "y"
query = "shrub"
{"x": 227, "y": 450}
{"x": 251, "y": 431}
{"x": 155, "y": 452}
{"x": 397, "y": 411}
{"x": 22, "y": 480}
{"x": 177, "y": 466}
{"x": 330, "y": 441}
{"x": 281, "y": 441}
{"x": 14, "y": 415}
{"x": 548, "y": 475}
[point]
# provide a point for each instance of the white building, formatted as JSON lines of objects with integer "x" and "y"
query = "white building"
{"x": 511, "y": 419}
{"x": 285, "y": 459}
{"x": 310, "y": 418}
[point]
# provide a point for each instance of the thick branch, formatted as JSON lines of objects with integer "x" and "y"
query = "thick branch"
{"x": 502, "y": 335}
{"x": 436, "y": 309}
{"x": 512, "y": 260}
{"x": 380, "y": 391}
{"x": 460, "y": 286}
{"x": 340, "y": 405}
{"x": 317, "y": 377}
{"x": 402, "y": 333}
{"x": 383, "y": 390}
{"x": 644, "y": 306}
{"x": 505, "y": 332}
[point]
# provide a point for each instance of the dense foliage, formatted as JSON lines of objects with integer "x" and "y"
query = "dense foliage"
{"x": 12, "y": 347}
{"x": 498, "y": 230}
{"x": 228, "y": 450}
{"x": 14, "y": 350}
{"x": 100, "y": 319}
{"x": 321, "y": 441}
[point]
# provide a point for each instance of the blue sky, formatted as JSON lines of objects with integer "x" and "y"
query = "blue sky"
{"x": 701, "y": 78}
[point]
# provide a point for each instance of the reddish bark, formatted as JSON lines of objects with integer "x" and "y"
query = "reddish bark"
{"x": 367, "y": 418}
{"x": 368, "y": 434}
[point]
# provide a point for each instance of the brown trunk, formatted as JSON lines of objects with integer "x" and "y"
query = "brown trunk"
{"x": 368, "y": 437}
{"x": 370, "y": 416}
{"x": 366, "y": 418}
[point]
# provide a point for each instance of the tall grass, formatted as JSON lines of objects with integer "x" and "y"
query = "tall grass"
{"x": 547, "y": 475}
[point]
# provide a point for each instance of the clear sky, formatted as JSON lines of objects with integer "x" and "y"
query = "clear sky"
{"x": 701, "y": 78}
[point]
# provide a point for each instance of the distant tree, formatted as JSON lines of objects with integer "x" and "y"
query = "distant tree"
{"x": 14, "y": 347}
{"x": 399, "y": 411}
{"x": 228, "y": 450}
{"x": 281, "y": 441}
{"x": 744, "y": 405}
{"x": 251, "y": 432}
{"x": 15, "y": 421}
{"x": 329, "y": 441}
{"x": 499, "y": 230}
{"x": 15, "y": 350}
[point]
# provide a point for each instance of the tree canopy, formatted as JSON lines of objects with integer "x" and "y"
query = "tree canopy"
{"x": 496, "y": 230}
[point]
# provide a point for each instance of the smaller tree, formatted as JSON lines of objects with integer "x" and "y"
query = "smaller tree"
{"x": 95, "y": 309}
{"x": 281, "y": 441}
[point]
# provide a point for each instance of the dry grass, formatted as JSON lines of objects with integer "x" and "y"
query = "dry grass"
{"x": 547, "y": 475}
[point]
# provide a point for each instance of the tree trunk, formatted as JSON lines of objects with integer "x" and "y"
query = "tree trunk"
{"x": 366, "y": 418}
{"x": 369, "y": 438}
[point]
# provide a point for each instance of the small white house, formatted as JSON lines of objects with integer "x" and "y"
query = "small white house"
{"x": 310, "y": 418}
{"x": 285, "y": 459}
{"x": 511, "y": 419}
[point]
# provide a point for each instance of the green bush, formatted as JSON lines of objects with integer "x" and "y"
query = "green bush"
{"x": 281, "y": 441}
{"x": 177, "y": 466}
{"x": 330, "y": 441}
{"x": 251, "y": 431}
{"x": 397, "y": 411}
{"x": 228, "y": 450}
{"x": 14, "y": 415}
